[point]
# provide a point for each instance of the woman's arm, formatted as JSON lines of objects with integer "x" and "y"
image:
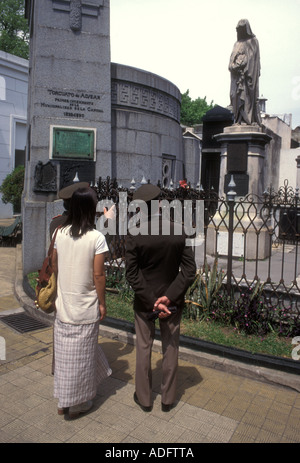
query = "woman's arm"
{"x": 54, "y": 262}
{"x": 99, "y": 280}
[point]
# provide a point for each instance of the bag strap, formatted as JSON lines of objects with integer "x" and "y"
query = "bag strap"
{"x": 50, "y": 250}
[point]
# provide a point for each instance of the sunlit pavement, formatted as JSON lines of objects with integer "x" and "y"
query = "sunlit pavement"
{"x": 218, "y": 401}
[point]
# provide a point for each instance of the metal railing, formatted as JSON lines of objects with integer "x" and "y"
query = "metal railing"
{"x": 255, "y": 239}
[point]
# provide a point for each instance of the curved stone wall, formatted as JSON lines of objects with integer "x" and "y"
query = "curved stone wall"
{"x": 137, "y": 89}
{"x": 146, "y": 130}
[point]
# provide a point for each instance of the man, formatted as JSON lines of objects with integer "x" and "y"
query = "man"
{"x": 159, "y": 268}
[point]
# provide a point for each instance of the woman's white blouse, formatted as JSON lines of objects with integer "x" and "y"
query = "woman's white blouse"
{"x": 77, "y": 300}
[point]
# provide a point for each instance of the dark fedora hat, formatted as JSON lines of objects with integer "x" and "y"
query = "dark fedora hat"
{"x": 67, "y": 192}
{"x": 146, "y": 192}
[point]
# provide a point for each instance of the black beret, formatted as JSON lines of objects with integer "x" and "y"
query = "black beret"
{"x": 67, "y": 192}
{"x": 147, "y": 192}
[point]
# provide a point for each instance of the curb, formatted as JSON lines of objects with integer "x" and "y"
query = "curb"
{"x": 273, "y": 370}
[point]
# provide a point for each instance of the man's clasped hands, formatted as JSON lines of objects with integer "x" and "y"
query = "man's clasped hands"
{"x": 162, "y": 305}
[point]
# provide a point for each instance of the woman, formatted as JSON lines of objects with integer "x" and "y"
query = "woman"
{"x": 79, "y": 256}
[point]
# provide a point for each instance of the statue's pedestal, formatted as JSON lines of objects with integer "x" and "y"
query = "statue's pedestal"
{"x": 251, "y": 237}
{"x": 243, "y": 156}
{"x": 243, "y": 159}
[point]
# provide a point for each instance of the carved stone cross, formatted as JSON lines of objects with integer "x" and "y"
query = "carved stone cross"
{"x": 77, "y": 9}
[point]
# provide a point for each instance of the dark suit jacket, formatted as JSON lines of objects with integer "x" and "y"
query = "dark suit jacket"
{"x": 56, "y": 222}
{"x": 159, "y": 265}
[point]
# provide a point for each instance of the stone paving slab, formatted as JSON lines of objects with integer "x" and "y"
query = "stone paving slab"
{"x": 214, "y": 405}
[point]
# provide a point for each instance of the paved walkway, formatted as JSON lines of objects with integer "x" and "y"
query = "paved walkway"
{"x": 215, "y": 404}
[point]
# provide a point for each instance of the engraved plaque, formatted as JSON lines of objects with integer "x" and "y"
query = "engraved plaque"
{"x": 241, "y": 181}
{"x": 70, "y": 143}
{"x": 237, "y": 157}
{"x": 45, "y": 178}
{"x": 85, "y": 171}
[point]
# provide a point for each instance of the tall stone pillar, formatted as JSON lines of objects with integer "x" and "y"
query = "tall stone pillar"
{"x": 69, "y": 109}
{"x": 243, "y": 156}
{"x": 298, "y": 171}
{"x": 243, "y": 159}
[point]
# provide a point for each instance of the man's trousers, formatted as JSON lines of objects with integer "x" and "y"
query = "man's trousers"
{"x": 145, "y": 330}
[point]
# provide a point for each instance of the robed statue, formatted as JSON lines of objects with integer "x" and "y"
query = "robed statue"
{"x": 244, "y": 67}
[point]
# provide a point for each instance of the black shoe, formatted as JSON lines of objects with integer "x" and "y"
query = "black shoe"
{"x": 167, "y": 407}
{"x": 145, "y": 409}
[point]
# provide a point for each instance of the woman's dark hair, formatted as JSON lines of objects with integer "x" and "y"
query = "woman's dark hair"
{"x": 82, "y": 211}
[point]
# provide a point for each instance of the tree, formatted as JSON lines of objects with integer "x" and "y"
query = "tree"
{"x": 14, "y": 30}
{"x": 192, "y": 111}
{"x": 12, "y": 188}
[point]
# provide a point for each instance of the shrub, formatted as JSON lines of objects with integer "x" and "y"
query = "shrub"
{"x": 249, "y": 313}
{"x": 245, "y": 309}
{"x": 12, "y": 188}
{"x": 202, "y": 294}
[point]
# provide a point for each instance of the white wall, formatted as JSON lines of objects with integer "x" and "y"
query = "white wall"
{"x": 288, "y": 167}
{"x": 13, "y": 115}
{"x": 287, "y": 164}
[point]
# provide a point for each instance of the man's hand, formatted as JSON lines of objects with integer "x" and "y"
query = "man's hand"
{"x": 162, "y": 300}
{"x": 162, "y": 304}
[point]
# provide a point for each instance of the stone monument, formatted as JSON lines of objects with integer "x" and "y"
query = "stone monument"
{"x": 244, "y": 66}
{"x": 243, "y": 143}
{"x": 69, "y": 109}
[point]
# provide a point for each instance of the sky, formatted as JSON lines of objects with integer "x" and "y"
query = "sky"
{"x": 189, "y": 42}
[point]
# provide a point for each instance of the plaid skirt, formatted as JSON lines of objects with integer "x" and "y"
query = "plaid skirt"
{"x": 80, "y": 364}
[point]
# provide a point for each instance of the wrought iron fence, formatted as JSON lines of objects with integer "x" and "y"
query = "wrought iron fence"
{"x": 255, "y": 240}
